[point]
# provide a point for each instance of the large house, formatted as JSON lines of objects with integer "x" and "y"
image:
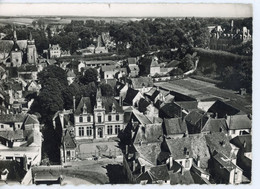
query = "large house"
{"x": 102, "y": 121}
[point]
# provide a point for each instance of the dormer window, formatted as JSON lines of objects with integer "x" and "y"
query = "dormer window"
{"x": 81, "y": 119}
{"x": 109, "y": 117}
{"x": 117, "y": 117}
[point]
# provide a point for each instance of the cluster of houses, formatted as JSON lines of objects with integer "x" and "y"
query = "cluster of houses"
{"x": 20, "y": 136}
{"x": 221, "y": 39}
{"x": 165, "y": 137}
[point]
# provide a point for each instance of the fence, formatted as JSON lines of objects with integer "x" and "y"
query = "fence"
{"x": 100, "y": 154}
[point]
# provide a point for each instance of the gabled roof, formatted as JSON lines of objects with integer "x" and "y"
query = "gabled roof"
{"x": 130, "y": 95}
{"x": 169, "y": 109}
{"x": 31, "y": 119}
{"x": 159, "y": 172}
{"x": 222, "y": 109}
{"x": 154, "y": 62}
{"x": 108, "y": 68}
{"x": 193, "y": 117}
{"x": 141, "y": 82}
{"x": 131, "y": 60}
{"x": 215, "y": 125}
{"x": 204, "y": 106}
{"x": 219, "y": 142}
{"x": 142, "y": 105}
{"x": 243, "y": 142}
{"x": 12, "y": 118}
{"x": 149, "y": 151}
{"x": 224, "y": 161}
{"x": 188, "y": 105}
{"x": 175, "y": 126}
{"x": 27, "y": 68}
{"x": 12, "y": 135}
{"x": 87, "y": 102}
{"x": 150, "y": 92}
{"x": 108, "y": 102}
{"x": 188, "y": 177}
{"x": 149, "y": 133}
{"x": 239, "y": 122}
{"x": 180, "y": 148}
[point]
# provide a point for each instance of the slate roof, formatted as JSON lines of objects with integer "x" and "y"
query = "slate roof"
{"x": 159, "y": 172}
{"x": 149, "y": 151}
{"x": 151, "y": 92}
{"x": 108, "y": 68}
{"x": 178, "y": 147}
{"x": 173, "y": 63}
{"x": 215, "y": 125}
{"x": 187, "y": 178}
{"x": 31, "y": 119}
{"x": 239, "y": 122}
{"x": 11, "y": 118}
{"x": 87, "y": 102}
{"x": 224, "y": 161}
{"x": 130, "y": 95}
{"x": 131, "y": 60}
{"x": 222, "y": 109}
{"x": 111, "y": 82}
{"x": 219, "y": 142}
{"x": 143, "y": 103}
{"x": 188, "y": 105}
{"x": 27, "y": 68}
{"x": 12, "y": 135}
{"x": 175, "y": 126}
{"x": 200, "y": 149}
{"x": 139, "y": 82}
{"x": 168, "y": 109}
{"x": 68, "y": 141}
{"x": 240, "y": 141}
{"x": 193, "y": 117}
{"x": 108, "y": 102}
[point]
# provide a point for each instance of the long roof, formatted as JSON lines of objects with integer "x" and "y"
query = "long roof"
{"x": 215, "y": 125}
{"x": 175, "y": 126}
{"x": 239, "y": 122}
{"x": 11, "y": 118}
{"x": 243, "y": 142}
{"x": 141, "y": 82}
{"x": 108, "y": 102}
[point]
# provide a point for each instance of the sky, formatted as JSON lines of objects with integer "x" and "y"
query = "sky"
{"x": 126, "y": 10}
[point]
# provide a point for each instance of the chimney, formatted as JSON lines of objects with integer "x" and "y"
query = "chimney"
{"x": 74, "y": 104}
{"x": 170, "y": 162}
{"x": 182, "y": 170}
{"x": 244, "y": 144}
{"x": 126, "y": 149}
{"x": 133, "y": 165}
{"x": 198, "y": 161}
{"x": 216, "y": 117}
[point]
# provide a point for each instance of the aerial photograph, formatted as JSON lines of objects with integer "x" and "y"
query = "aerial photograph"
{"x": 125, "y": 94}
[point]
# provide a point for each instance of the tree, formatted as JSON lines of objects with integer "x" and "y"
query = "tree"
{"x": 55, "y": 72}
{"x": 90, "y": 75}
{"x": 187, "y": 63}
{"x": 106, "y": 90}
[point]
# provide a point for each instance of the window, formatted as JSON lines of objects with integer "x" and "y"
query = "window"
{"x": 109, "y": 129}
{"x": 80, "y": 119}
{"x": 18, "y": 126}
{"x": 99, "y": 119}
{"x": 2, "y": 126}
{"x": 89, "y": 118}
{"x": 117, "y": 129}
{"x": 187, "y": 163}
{"x": 117, "y": 117}
{"x": 109, "y": 118}
{"x": 89, "y": 131}
{"x": 81, "y": 131}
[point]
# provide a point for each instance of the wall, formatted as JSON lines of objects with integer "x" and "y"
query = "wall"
{"x": 27, "y": 180}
